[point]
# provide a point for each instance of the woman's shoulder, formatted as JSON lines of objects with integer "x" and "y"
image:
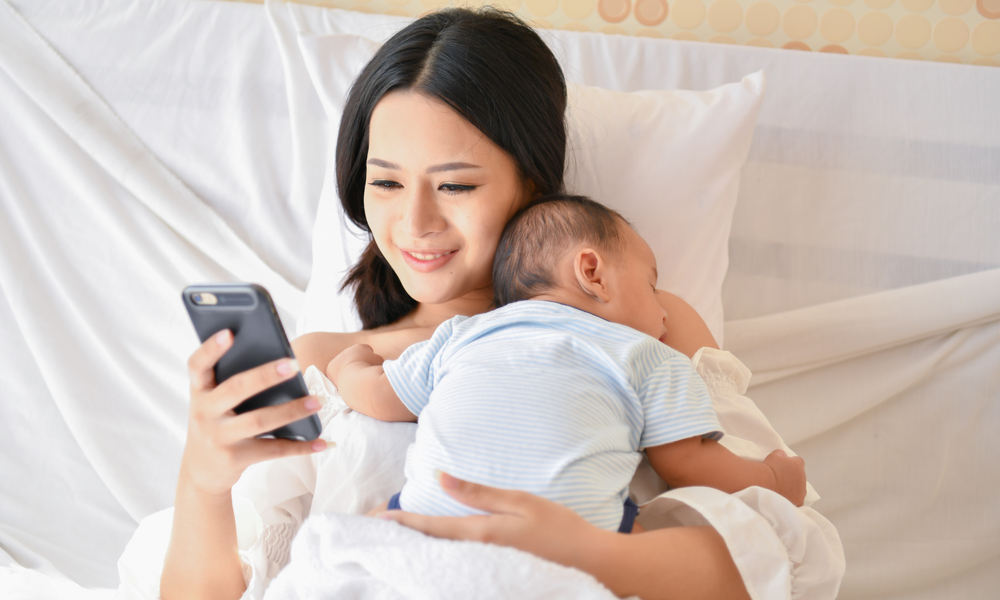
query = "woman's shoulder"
{"x": 389, "y": 342}
{"x": 686, "y": 329}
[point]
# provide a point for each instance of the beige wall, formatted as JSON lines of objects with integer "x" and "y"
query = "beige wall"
{"x": 958, "y": 31}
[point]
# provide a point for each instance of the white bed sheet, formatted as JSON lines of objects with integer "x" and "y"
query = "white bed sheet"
{"x": 862, "y": 289}
{"x": 92, "y": 260}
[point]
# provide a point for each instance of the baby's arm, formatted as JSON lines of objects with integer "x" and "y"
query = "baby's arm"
{"x": 357, "y": 372}
{"x": 701, "y": 461}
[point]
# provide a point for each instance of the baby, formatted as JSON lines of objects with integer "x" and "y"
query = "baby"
{"x": 558, "y": 390}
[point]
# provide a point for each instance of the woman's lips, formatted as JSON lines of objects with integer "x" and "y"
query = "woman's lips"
{"x": 427, "y": 260}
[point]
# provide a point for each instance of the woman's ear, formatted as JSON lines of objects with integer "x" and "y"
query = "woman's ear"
{"x": 591, "y": 271}
{"x": 529, "y": 193}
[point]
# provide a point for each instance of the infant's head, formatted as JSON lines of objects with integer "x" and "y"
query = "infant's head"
{"x": 575, "y": 251}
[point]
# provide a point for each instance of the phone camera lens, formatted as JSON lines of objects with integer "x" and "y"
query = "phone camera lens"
{"x": 196, "y": 298}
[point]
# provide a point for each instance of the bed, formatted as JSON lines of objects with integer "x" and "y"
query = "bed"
{"x": 143, "y": 148}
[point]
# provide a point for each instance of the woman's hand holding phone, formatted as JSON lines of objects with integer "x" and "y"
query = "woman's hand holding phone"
{"x": 222, "y": 444}
{"x": 201, "y": 561}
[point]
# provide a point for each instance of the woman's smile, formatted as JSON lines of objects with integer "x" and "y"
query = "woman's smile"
{"x": 428, "y": 260}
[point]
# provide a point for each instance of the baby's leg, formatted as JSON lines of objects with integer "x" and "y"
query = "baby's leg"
{"x": 381, "y": 508}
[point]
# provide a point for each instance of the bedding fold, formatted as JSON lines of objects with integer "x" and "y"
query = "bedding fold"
{"x": 97, "y": 238}
{"x": 893, "y": 396}
{"x": 72, "y": 104}
{"x": 785, "y": 344}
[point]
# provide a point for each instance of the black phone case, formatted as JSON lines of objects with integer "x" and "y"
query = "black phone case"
{"x": 258, "y": 337}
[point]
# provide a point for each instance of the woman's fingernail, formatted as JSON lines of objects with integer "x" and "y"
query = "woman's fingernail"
{"x": 319, "y": 445}
{"x": 311, "y": 404}
{"x": 222, "y": 338}
{"x": 287, "y": 367}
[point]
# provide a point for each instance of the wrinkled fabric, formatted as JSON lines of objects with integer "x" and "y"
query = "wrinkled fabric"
{"x": 868, "y": 197}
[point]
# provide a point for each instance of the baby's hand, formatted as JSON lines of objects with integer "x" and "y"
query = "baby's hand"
{"x": 789, "y": 476}
{"x": 358, "y": 353}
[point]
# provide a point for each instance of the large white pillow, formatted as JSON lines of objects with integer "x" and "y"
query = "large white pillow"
{"x": 668, "y": 160}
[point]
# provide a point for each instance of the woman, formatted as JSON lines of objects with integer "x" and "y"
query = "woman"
{"x": 454, "y": 125}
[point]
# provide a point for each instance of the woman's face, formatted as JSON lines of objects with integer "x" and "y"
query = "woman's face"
{"x": 437, "y": 198}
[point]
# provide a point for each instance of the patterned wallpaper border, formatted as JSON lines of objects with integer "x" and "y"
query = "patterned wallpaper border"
{"x": 951, "y": 31}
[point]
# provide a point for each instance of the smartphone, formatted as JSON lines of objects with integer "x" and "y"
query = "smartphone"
{"x": 246, "y": 309}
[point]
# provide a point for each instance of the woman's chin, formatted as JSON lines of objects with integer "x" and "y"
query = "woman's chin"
{"x": 442, "y": 294}
{"x": 429, "y": 294}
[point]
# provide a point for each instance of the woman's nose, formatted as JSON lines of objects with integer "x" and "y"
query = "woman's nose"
{"x": 422, "y": 215}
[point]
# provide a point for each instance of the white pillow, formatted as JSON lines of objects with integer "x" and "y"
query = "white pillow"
{"x": 333, "y": 62}
{"x": 669, "y": 161}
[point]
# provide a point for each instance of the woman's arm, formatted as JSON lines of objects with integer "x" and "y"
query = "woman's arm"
{"x": 319, "y": 348}
{"x": 701, "y": 461}
{"x": 676, "y": 562}
{"x": 202, "y": 558}
{"x": 686, "y": 330}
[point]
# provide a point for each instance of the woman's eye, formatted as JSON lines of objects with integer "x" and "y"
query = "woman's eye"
{"x": 384, "y": 183}
{"x": 456, "y": 188}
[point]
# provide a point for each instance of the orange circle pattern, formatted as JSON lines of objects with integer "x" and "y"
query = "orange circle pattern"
{"x": 650, "y": 12}
{"x": 989, "y": 8}
{"x": 614, "y": 11}
{"x": 797, "y": 45}
{"x": 947, "y": 31}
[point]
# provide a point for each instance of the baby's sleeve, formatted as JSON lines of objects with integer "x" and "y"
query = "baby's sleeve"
{"x": 414, "y": 373}
{"x": 676, "y": 405}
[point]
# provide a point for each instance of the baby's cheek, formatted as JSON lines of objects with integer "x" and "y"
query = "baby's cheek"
{"x": 653, "y": 319}
{"x": 632, "y": 315}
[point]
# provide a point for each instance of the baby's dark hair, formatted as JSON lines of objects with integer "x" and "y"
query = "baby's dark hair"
{"x": 537, "y": 237}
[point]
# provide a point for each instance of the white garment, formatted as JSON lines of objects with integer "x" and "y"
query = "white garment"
{"x": 780, "y": 550}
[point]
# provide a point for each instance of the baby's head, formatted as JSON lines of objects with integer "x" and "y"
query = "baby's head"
{"x": 575, "y": 251}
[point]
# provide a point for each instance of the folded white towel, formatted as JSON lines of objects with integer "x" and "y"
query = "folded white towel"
{"x": 363, "y": 558}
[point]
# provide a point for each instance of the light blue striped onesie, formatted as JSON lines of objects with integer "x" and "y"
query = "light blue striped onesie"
{"x": 546, "y": 398}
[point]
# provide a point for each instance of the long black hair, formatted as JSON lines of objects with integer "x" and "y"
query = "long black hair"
{"x": 491, "y": 68}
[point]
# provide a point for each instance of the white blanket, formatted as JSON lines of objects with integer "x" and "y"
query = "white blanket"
{"x": 350, "y": 556}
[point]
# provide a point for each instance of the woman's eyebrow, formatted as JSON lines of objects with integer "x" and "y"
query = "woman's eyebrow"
{"x": 452, "y": 166}
{"x": 378, "y": 162}
{"x": 455, "y": 166}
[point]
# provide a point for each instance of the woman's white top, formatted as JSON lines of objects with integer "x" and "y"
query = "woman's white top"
{"x": 780, "y": 550}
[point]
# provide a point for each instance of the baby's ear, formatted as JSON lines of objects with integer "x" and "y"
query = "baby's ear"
{"x": 591, "y": 272}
